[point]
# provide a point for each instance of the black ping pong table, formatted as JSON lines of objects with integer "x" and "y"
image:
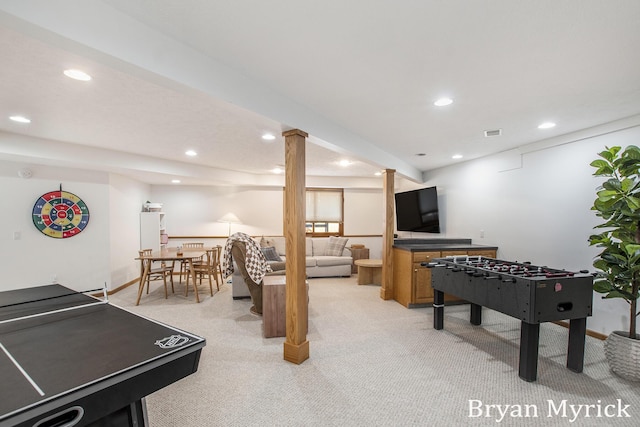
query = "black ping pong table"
{"x": 71, "y": 359}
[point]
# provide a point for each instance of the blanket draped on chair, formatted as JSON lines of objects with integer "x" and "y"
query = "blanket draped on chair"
{"x": 255, "y": 262}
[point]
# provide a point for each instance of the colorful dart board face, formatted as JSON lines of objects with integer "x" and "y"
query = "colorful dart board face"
{"x": 60, "y": 214}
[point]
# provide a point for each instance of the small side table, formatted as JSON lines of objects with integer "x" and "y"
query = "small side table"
{"x": 369, "y": 271}
{"x": 356, "y": 254}
{"x": 274, "y": 306}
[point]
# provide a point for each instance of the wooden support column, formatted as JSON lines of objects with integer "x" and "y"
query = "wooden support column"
{"x": 386, "y": 289}
{"x": 296, "y": 346}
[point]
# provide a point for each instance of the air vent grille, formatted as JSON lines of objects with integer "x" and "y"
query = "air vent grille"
{"x": 494, "y": 132}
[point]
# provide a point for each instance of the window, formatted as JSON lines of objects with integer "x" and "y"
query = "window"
{"x": 324, "y": 212}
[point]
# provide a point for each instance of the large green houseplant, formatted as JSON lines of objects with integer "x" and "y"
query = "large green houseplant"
{"x": 618, "y": 265}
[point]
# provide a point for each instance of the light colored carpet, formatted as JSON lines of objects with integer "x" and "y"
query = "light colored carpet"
{"x": 374, "y": 363}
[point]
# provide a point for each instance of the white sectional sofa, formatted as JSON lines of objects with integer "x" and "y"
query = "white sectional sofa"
{"x": 321, "y": 259}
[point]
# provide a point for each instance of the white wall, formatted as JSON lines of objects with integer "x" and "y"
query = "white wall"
{"x": 126, "y": 197}
{"x": 80, "y": 262}
{"x": 538, "y": 212}
{"x": 194, "y": 211}
{"x": 364, "y": 217}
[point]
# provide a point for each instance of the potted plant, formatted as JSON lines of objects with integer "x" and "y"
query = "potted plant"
{"x": 618, "y": 265}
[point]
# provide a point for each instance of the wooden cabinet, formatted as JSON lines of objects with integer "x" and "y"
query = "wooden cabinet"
{"x": 153, "y": 230}
{"x": 412, "y": 281}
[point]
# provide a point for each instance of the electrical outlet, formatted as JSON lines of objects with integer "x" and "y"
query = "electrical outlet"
{"x": 482, "y": 234}
{"x": 54, "y": 278}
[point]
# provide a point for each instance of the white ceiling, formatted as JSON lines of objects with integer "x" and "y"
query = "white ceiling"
{"x": 359, "y": 76}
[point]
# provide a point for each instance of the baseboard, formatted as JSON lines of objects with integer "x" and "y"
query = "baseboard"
{"x": 126, "y": 285}
{"x": 589, "y": 332}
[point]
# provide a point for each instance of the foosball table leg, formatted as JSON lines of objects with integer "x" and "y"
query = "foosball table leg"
{"x": 575, "y": 351}
{"x": 438, "y": 309}
{"x": 476, "y": 314}
{"x": 529, "y": 339}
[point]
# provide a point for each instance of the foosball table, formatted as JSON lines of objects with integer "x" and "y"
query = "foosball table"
{"x": 533, "y": 294}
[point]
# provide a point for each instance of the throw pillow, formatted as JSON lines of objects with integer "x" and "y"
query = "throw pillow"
{"x": 271, "y": 254}
{"x": 336, "y": 245}
{"x": 265, "y": 242}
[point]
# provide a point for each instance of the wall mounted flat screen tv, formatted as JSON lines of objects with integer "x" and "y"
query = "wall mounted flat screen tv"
{"x": 417, "y": 210}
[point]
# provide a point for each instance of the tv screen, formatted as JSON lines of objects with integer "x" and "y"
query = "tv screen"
{"x": 417, "y": 210}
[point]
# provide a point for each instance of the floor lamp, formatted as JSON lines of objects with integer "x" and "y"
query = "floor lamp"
{"x": 230, "y": 218}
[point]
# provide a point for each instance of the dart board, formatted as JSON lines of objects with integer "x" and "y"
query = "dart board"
{"x": 60, "y": 214}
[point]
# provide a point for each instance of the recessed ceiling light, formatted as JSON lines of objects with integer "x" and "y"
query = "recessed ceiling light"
{"x": 77, "y": 75}
{"x": 277, "y": 170}
{"x": 443, "y": 102}
{"x": 175, "y": 181}
{"x": 344, "y": 163}
{"x": 20, "y": 119}
{"x": 456, "y": 156}
{"x": 268, "y": 137}
{"x": 421, "y": 154}
{"x": 546, "y": 125}
{"x": 378, "y": 174}
{"x": 190, "y": 153}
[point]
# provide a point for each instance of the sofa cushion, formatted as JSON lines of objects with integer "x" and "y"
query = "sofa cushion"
{"x": 266, "y": 242}
{"x": 319, "y": 246}
{"x": 270, "y": 253}
{"x": 326, "y": 260}
{"x": 335, "y": 246}
{"x": 277, "y": 242}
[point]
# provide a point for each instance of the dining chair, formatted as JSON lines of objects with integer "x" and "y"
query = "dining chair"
{"x": 205, "y": 269}
{"x": 217, "y": 266}
{"x": 185, "y": 263}
{"x": 159, "y": 272}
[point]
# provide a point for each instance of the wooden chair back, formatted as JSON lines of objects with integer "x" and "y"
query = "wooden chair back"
{"x": 217, "y": 267}
{"x": 193, "y": 245}
{"x": 155, "y": 273}
{"x": 205, "y": 269}
{"x": 144, "y": 252}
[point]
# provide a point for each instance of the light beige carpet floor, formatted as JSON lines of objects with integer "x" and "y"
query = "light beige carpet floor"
{"x": 375, "y": 363}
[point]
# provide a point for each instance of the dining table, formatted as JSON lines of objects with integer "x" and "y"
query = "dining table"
{"x": 167, "y": 255}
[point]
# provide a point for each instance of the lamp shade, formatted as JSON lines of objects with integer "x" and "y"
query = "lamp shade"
{"x": 230, "y": 218}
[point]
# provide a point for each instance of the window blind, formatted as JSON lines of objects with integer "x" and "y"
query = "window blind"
{"x": 324, "y": 205}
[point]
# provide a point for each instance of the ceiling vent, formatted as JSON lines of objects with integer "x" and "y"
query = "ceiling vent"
{"x": 495, "y": 132}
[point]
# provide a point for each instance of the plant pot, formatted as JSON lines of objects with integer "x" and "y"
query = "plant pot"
{"x": 623, "y": 355}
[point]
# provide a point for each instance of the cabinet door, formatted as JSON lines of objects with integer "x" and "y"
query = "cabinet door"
{"x": 421, "y": 280}
{"x": 423, "y": 292}
{"x": 425, "y": 256}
